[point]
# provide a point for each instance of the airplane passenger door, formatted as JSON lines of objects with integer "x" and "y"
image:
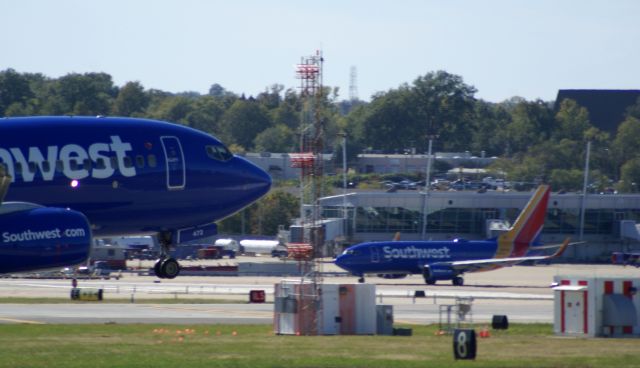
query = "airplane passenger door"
{"x": 375, "y": 255}
{"x": 174, "y": 158}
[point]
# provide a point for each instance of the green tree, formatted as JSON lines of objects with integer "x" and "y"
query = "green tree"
{"x": 275, "y": 209}
{"x": 174, "y": 109}
{"x": 14, "y": 90}
{"x": 566, "y": 179}
{"x": 205, "y": 114}
{"x": 531, "y": 123}
{"x": 278, "y": 138}
{"x": 86, "y": 94}
{"x": 389, "y": 121}
{"x": 444, "y": 105}
{"x": 263, "y": 217}
{"x": 288, "y": 112}
{"x": 243, "y": 121}
{"x": 131, "y": 100}
{"x": 630, "y": 176}
{"x": 573, "y": 121}
{"x": 625, "y": 146}
{"x": 489, "y": 120}
{"x": 271, "y": 97}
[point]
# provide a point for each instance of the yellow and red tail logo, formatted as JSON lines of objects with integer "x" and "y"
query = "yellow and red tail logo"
{"x": 524, "y": 231}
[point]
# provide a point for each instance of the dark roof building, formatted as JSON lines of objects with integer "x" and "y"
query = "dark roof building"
{"x": 607, "y": 107}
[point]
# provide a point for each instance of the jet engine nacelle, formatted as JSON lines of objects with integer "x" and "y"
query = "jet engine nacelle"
{"x": 436, "y": 272}
{"x": 36, "y": 237}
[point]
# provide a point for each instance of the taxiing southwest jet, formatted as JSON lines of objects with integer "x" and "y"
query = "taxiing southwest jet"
{"x": 66, "y": 179}
{"x": 448, "y": 260}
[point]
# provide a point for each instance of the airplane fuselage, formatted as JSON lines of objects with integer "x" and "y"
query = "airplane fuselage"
{"x": 410, "y": 257}
{"x": 95, "y": 176}
{"x": 126, "y": 177}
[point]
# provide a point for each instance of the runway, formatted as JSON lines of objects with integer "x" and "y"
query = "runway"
{"x": 420, "y": 313}
{"x": 521, "y": 293}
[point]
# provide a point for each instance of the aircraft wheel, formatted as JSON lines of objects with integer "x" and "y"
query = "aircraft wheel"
{"x": 361, "y": 280}
{"x": 157, "y": 268}
{"x": 430, "y": 281}
{"x": 170, "y": 268}
{"x": 458, "y": 281}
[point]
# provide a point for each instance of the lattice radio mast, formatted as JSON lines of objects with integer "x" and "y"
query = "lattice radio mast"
{"x": 353, "y": 84}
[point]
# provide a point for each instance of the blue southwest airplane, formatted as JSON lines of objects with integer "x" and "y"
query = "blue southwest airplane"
{"x": 64, "y": 180}
{"x": 448, "y": 260}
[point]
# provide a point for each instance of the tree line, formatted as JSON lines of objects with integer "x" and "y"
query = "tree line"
{"x": 534, "y": 142}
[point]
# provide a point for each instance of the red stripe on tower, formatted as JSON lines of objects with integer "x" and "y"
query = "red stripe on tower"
{"x": 608, "y": 289}
{"x": 626, "y": 290}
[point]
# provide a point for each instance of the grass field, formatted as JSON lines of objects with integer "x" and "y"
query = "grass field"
{"x": 256, "y": 346}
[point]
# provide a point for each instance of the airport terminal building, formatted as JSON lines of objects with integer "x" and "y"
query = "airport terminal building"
{"x": 609, "y": 220}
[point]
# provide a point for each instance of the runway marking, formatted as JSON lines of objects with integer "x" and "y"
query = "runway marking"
{"x": 22, "y": 321}
{"x": 257, "y": 314}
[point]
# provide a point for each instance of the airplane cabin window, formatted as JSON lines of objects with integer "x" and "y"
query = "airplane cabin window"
{"x": 59, "y": 166}
{"x": 114, "y": 161}
{"x": 46, "y": 166}
{"x": 128, "y": 162}
{"x": 151, "y": 159}
{"x": 18, "y": 168}
{"x": 87, "y": 164}
{"x": 139, "y": 161}
{"x": 100, "y": 164}
{"x": 32, "y": 167}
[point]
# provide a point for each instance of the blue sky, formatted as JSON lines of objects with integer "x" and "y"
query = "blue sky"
{"x": 503, "y": 48}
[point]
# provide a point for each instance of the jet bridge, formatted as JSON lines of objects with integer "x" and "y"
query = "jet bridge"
{"x": 629, "y": 230}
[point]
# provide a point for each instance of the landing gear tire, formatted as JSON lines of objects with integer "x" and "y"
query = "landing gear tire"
{"x": 428, "y": 279}
{"x": 457, "y": 281}
{"x": 157, "y": 269}
{"x": 167, "y": 268}
{"x": 170, "y": 268}
{"x": 361, "y": 280}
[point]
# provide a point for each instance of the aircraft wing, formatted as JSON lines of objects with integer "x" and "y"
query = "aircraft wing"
{"x": 479, "y": 265}
{"x": 5, "y": 180}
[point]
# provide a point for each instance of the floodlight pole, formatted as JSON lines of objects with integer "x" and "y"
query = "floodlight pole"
{"x": 427, "y": 186}
{"x": 344, "y": 176}
{"x": 584, "y": 190}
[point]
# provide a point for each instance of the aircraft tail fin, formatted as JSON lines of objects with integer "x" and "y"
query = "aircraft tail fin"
{"x": 528, "y": 225}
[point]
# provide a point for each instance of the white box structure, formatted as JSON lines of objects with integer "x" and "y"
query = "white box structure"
{"x": 332, "y": 309}
{"x": 596, "y": 306}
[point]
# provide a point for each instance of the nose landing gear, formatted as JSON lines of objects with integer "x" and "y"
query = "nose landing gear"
{"x": 166, "y": 267}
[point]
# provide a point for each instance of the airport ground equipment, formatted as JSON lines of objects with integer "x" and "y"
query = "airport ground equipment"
{"x": 337, "y": 309}
{"x": 384, "y": 319}
{"x": 499, "y": 322}
{"x": 596, "y": 306}
{"x": 452, "y": 316}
